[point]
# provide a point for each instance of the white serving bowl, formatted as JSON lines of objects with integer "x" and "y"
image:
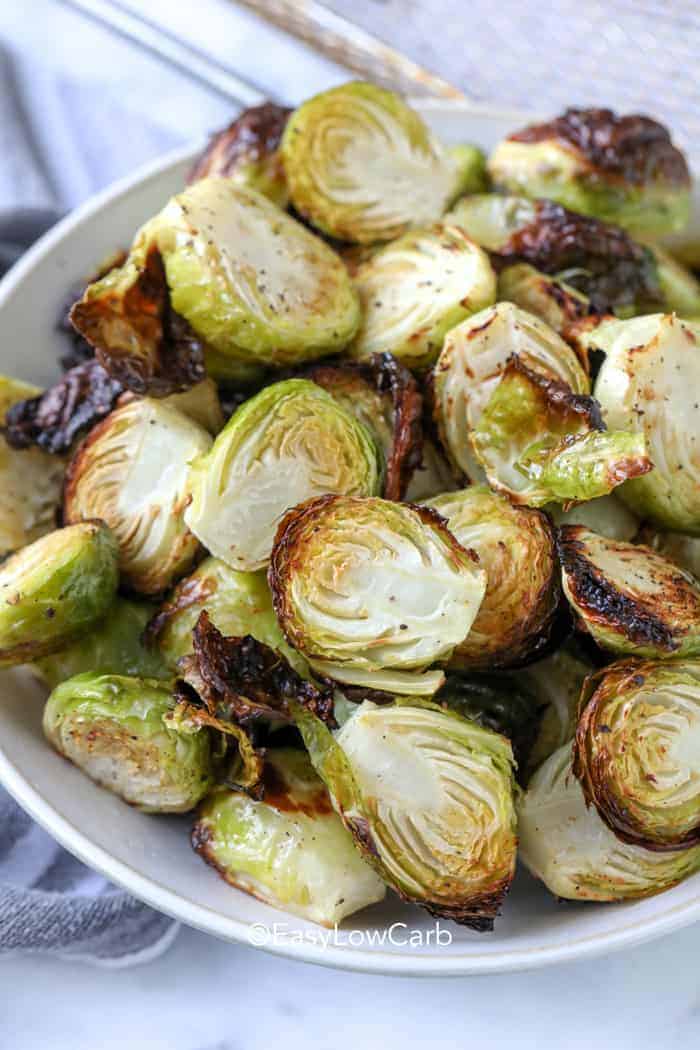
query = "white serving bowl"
{"x": 150, "y": 856}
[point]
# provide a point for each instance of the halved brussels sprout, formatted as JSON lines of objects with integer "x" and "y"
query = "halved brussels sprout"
{"x": 384, "y": 397}
{"x": 621, "y": 169}
{"x": 636, "y": 751}
{"x": 238, "y": 603}
{"x": 630, "y": 599}
{"x": 55, "y": 589}
{"x": 289, "y": 849}
{"x": 600, "y": 261}
{"x": 131, "y": 471}
{"x": 112, "y": 727}
{"x": 564, "y": 843}
{"x": 432, "y": 477}
{"x": 414, "y": 290}
{"x": 428, "y": 798}
{"x": 649, "y": 381}
{"x": 290, "y": 442}
{"x": 552, "y": 300}
{"x": 607, "y": 515}
{"x": 202, "y": 404}
{"x": 362, "y": 166}
{"x": 683, "y": 551}
{"x": 247, "y": 152}
{"x": 112, "y": 646}
{"x": 30, "y": 480}
{"x": 539, "y": 442}
{"x": 373, "y": 592}
{"x": 473, "y": 360}
{"x": 516, "y": 550}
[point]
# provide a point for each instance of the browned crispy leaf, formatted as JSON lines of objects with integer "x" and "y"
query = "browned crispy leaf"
{"x": 251, "y": 137}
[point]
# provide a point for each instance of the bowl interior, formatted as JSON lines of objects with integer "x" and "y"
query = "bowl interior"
{"x": 151, "y": 856}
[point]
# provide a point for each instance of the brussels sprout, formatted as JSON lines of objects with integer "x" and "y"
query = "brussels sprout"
{"x": 556, "y": 682}
{"x": 683, "y": 551}
{"x": 30, "y": 480}
{"x": 472, "y": 362}
{"x": 566, "y": 844}
{"x": 432, "y": 477}
{"x": 414, "y": 290}
{"x": 428, "y": 798}
{"x": 516, "y": 550}
{"x": 680, "y": 289}
{"x": 289, "y": 849}
{"x": 621, "y": 169}
{"x": 606, "y": 515}
{"x": 373, "y": 592}
{"x": 112, "y": 646}
{"x": 471, "y": 164}
{"x": 552, "y": 300}
{"x": 599, "y": 261}
{"x": 238, "y": 603}
{"x": 384, "y": 397}
{"x": 630, "y": 599}
{"x": 497, "y": 702}
{"x": 131, "y": 472}
{"x": 247, "y": 152}
{"x": 290, "y": 442}
{"x": 635, "y": 753}
{"x": 200, "y": 403}
{"x": 649, "y": 381}
{"x": 55, "y": 589}
{"x": 362, "y": 166}
{"x": 539, "y": 442}
{"x": 112, "y": 727}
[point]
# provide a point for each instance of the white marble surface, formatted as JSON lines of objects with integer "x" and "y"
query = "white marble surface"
{"x": 205, "y": 995}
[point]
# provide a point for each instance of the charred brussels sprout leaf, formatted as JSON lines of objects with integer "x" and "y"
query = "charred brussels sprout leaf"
{"x": 112, "y": 646}
{"x": 414, "y": 290}
{"x": 650, "y": 381}
{"x": 373, "y": 593}
{"x": 621, "y": 169}
{"x": 428, "y": 798}
{"x": 54, "y": 590}
{"x": 566, "y": 844}
{"x": 473, "y": 360}
{"x": 630, "y": 599}
{"x": 289, "y": 849}
{"x": 636, "y": 753}
{"x": 539, "y": 442}
{"x": 384, "y": 397}
{"x": 131, "y": 472}
{"x": 516, "y": 550}
{"x": 30, "y": 480}
{"x": 554, "y": 301}
{"x": 247, "y": 152}
{"x": 290, "y": 442}
{"x": 362, "y": 166}
{"x": 113, "y": 728}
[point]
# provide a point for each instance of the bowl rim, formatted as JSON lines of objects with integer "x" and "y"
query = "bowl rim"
{"x": 626, "y": 934}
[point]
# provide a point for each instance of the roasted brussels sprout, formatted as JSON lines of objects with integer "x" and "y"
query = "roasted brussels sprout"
{"x": 566, "y": 844}
{"x": 113, "y": 728}
{"x": 473, "y": 360}
{"x": 630, "y": 599}
{"x": 112, "y": 646}
{"x": 634, "y": 753}
{"x": 290, "y": 442}
{"x": 290, "y": 848}
{"x": 131, "y": 472}
{"x": 556, "y": 682}
{"x": 621, "y": 169}
{"x": 498, "y": 702}
{"x": 516, "y": 550}
{"x": 539, "y": 442}
{"x": 238, "y": 603}
{"x": 607, "y": 515}
{"x": 247, "y": 152}
{"x": 55, "y": 589}
{"x": 471, "y": 165}
{"x": 30, "y": 480}
{"x": 601, "y": 262}
{"x": 362, "y": 166}
{"x": 433, "y": 477}
{"x": 384, "y": 397}
{"x": 428, "y": 798}
{"x": 680, "y": 289}
{"x": 554, "y": 301}
{"x": 414, "y": 290}
{"x": 649, "y": 381}
{"x": 373, "y": 592}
